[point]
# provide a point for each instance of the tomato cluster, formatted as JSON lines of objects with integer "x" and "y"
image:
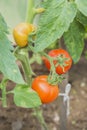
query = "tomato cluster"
{"x": 61, "y": 60}
{"x": 45, "y": 90}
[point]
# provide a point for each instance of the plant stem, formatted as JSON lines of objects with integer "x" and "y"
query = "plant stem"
{"x": 22, "y": 55}
{"x": 4, "y": 97}
{"x": 3, "y": 88}
{"x": 27, "y": 70}
{"x": 39, "y": 115}
{"x": 30, "y": 11}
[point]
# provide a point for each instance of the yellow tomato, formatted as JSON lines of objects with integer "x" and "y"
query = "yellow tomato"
{"x": 21, "y": 32}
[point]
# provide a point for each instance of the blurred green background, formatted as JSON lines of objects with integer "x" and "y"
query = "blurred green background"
{"x": 13, "y": 11}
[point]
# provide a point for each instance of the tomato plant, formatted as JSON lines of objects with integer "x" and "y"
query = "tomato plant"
{"x": 46, "y": 91}
{"x": 61, "y": 59}
{"x": 61, "y": 20}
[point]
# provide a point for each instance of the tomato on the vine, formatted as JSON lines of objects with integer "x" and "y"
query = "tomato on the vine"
{"x": 21, "y": 32}
{"x": 63, "y": 64}
{"x": 46, "y": 91}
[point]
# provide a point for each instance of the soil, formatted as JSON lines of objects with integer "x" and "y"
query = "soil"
{"x": 16, "y": 118}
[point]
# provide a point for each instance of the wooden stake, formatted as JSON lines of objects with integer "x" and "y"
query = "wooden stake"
{"x": 63, "y": 105}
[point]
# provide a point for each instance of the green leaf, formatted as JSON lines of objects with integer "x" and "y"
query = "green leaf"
{"x": 82, "y": 6}
{"x": 81, "y": 18}
{"x": 54, "y": 22}
{"x": 74, "y": 40}
{"x": 8, "y": 64}
{"x": 3, "y": 25}
{"x": 26, "y": 97}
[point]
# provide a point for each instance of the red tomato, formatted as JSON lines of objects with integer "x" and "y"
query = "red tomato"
{"x": 47, "y": 92}
{"x": 66, "y": 64}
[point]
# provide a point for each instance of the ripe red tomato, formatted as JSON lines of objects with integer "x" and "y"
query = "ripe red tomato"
{"x": 47, "y": 92}
{"x": 66, "y": 63}
{"x": 21, "y": 32}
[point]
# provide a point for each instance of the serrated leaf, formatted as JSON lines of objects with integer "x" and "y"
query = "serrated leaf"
{"x": 54, "y": 22}
{"x": 26, "y": 97}
{"x": 8, "y": 64}
{"x": 74, "y": 40}
{"x": 82, "y": 6}
{"x": 81, "y": 18}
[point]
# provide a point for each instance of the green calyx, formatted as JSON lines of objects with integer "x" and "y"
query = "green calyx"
{"x": 61, "y": 60}
{"x": 55, "y": 79}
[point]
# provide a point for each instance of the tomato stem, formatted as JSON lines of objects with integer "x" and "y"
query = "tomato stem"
{"x": 39, "y": 115}
{"x": 53, "y": 77}
{"x": 30, "y": 11}
{"x": 22, "y": 55}
{"x": 3, "y": 88}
